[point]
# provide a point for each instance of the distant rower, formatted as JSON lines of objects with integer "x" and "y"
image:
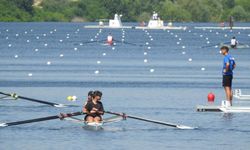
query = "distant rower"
{"x": 234, "y": 42}
{"x": 110, "y": 39}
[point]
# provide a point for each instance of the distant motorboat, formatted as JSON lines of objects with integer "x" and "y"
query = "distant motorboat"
{"x": 156, "y": 23}
{"x": 113, "y": 23}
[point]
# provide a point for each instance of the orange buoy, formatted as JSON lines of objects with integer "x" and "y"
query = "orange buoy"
{"x": 210, "y": 97}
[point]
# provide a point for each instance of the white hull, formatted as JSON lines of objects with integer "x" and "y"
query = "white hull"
{"x": 162, "y": 28}
{"x": 222, "y": 28}
{"x": 230, "y": 109}
{"x": 106, "y": 27}
{"x": 93, "y": 126}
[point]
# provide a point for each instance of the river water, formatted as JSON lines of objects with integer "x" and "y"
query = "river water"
{"x": 157, "y": 74}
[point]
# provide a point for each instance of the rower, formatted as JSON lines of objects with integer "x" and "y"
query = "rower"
{"x": 94, "y": 108}
{"x": 90, "y": 96}
{"x": 234, "y": 42}
{"x": 110, "y": 39}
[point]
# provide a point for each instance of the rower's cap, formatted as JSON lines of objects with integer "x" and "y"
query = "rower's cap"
{"x": 97, "y": 93}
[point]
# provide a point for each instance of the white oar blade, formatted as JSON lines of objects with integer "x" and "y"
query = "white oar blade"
{"x": 60, "y": 105}
{"x": 185, "y": 127}
{"x": 3, "y": 125}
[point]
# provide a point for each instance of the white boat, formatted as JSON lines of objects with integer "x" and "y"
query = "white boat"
{"x": 113, "y": 23}
{"x": 156, "y": 23}
{"x": 94, "y": 125}
{"x": 238, "y": 95}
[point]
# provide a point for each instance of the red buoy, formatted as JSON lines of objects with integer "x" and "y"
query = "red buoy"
{"x": 210, "y": 97}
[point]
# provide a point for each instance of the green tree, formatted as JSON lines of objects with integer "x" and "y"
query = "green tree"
{"x": 239, "y": 13}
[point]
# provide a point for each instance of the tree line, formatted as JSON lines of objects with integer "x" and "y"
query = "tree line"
{"x": 132, "y": 10}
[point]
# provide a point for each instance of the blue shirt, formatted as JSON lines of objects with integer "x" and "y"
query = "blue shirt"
{"x": 228, "y": 59}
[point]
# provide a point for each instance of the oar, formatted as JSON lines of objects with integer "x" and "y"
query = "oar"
{"x": 210, "y": 45}
{"x": 60, "y": 116}
{"x": 15, "y": 96}
{"x": 134, "y": 44}
{"x": 152, "y": 121}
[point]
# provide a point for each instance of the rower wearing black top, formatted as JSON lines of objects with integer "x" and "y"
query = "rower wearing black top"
{"x": 94, "y": 108}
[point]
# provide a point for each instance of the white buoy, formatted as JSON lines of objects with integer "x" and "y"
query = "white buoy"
{"x": 103, "y": 54}
{"x": 25, "y": 32}
{"x": 28, "y": 41}
{"x": 61, "y": 55}
{"x": 113, "y": 48}
{"x": 147, "y": 43}
{"x": 183, "y": 47}
{"x": 190, "y": 59}
{"x": 216, "y": 46}
{"x": 17, "y": 34}
{"x": 98, "y": 62}
{"x": 151, "y": 70}
{"x": 225, "y": 35}
{"x": 45, "y": 44}
{"x": 48, "y": 63}
{"x": 16, "y": 56}
{"x": 30, "y": 74}
{"x": 55, "y": 30}
{"x": 145, "y": 53}
{"x": 114, "y": 44}
{"x": 67, "y": 37}
{"x": 149, "y": 47}
{"x": 203, "y": 69}
{"x": 7, "y": 38}
{"x": 91, "y": 40}
{"x": 217, "y": 33}
{"x": 9, "y": 45}
{"x": 75, "y": 49}
{"x": 37, "y": 37}
{"x": 208, "y": 42}
{"x": 81, "y": 44}
{"x": 206, "y": 38}
{"x": 61, "y": 40}
{"x": 51, "y": 32}
{"x": 7, "y": 30}
{"x": 97, "y": 72}
{"x": 36, "y": 50}
{"x": 177, "y": 43}
{"x": 201, "y": 35}
{"x": 179, "y": 39}
{"x": 176, "y": 36}
{"x": 145, "y": 60}
{"x": 183, "y": 53}
{"x": 44, "y": 34}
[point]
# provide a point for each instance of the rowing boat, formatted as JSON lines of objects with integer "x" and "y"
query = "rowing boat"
{"x": 239, "y": 46}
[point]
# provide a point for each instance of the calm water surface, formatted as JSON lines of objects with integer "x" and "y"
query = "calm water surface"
{"x": 164, "y": 79}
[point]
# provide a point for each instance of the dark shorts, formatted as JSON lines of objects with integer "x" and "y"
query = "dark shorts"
{"x": 93, "y": 115}
{"x": 227, "y": 80}
{"x": 233, "y": 46}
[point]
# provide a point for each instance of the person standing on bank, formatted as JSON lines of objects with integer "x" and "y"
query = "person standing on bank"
{"x": 227, "y": 72}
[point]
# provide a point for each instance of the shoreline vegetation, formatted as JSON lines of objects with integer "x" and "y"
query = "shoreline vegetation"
{"x": 132, "y": 10}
